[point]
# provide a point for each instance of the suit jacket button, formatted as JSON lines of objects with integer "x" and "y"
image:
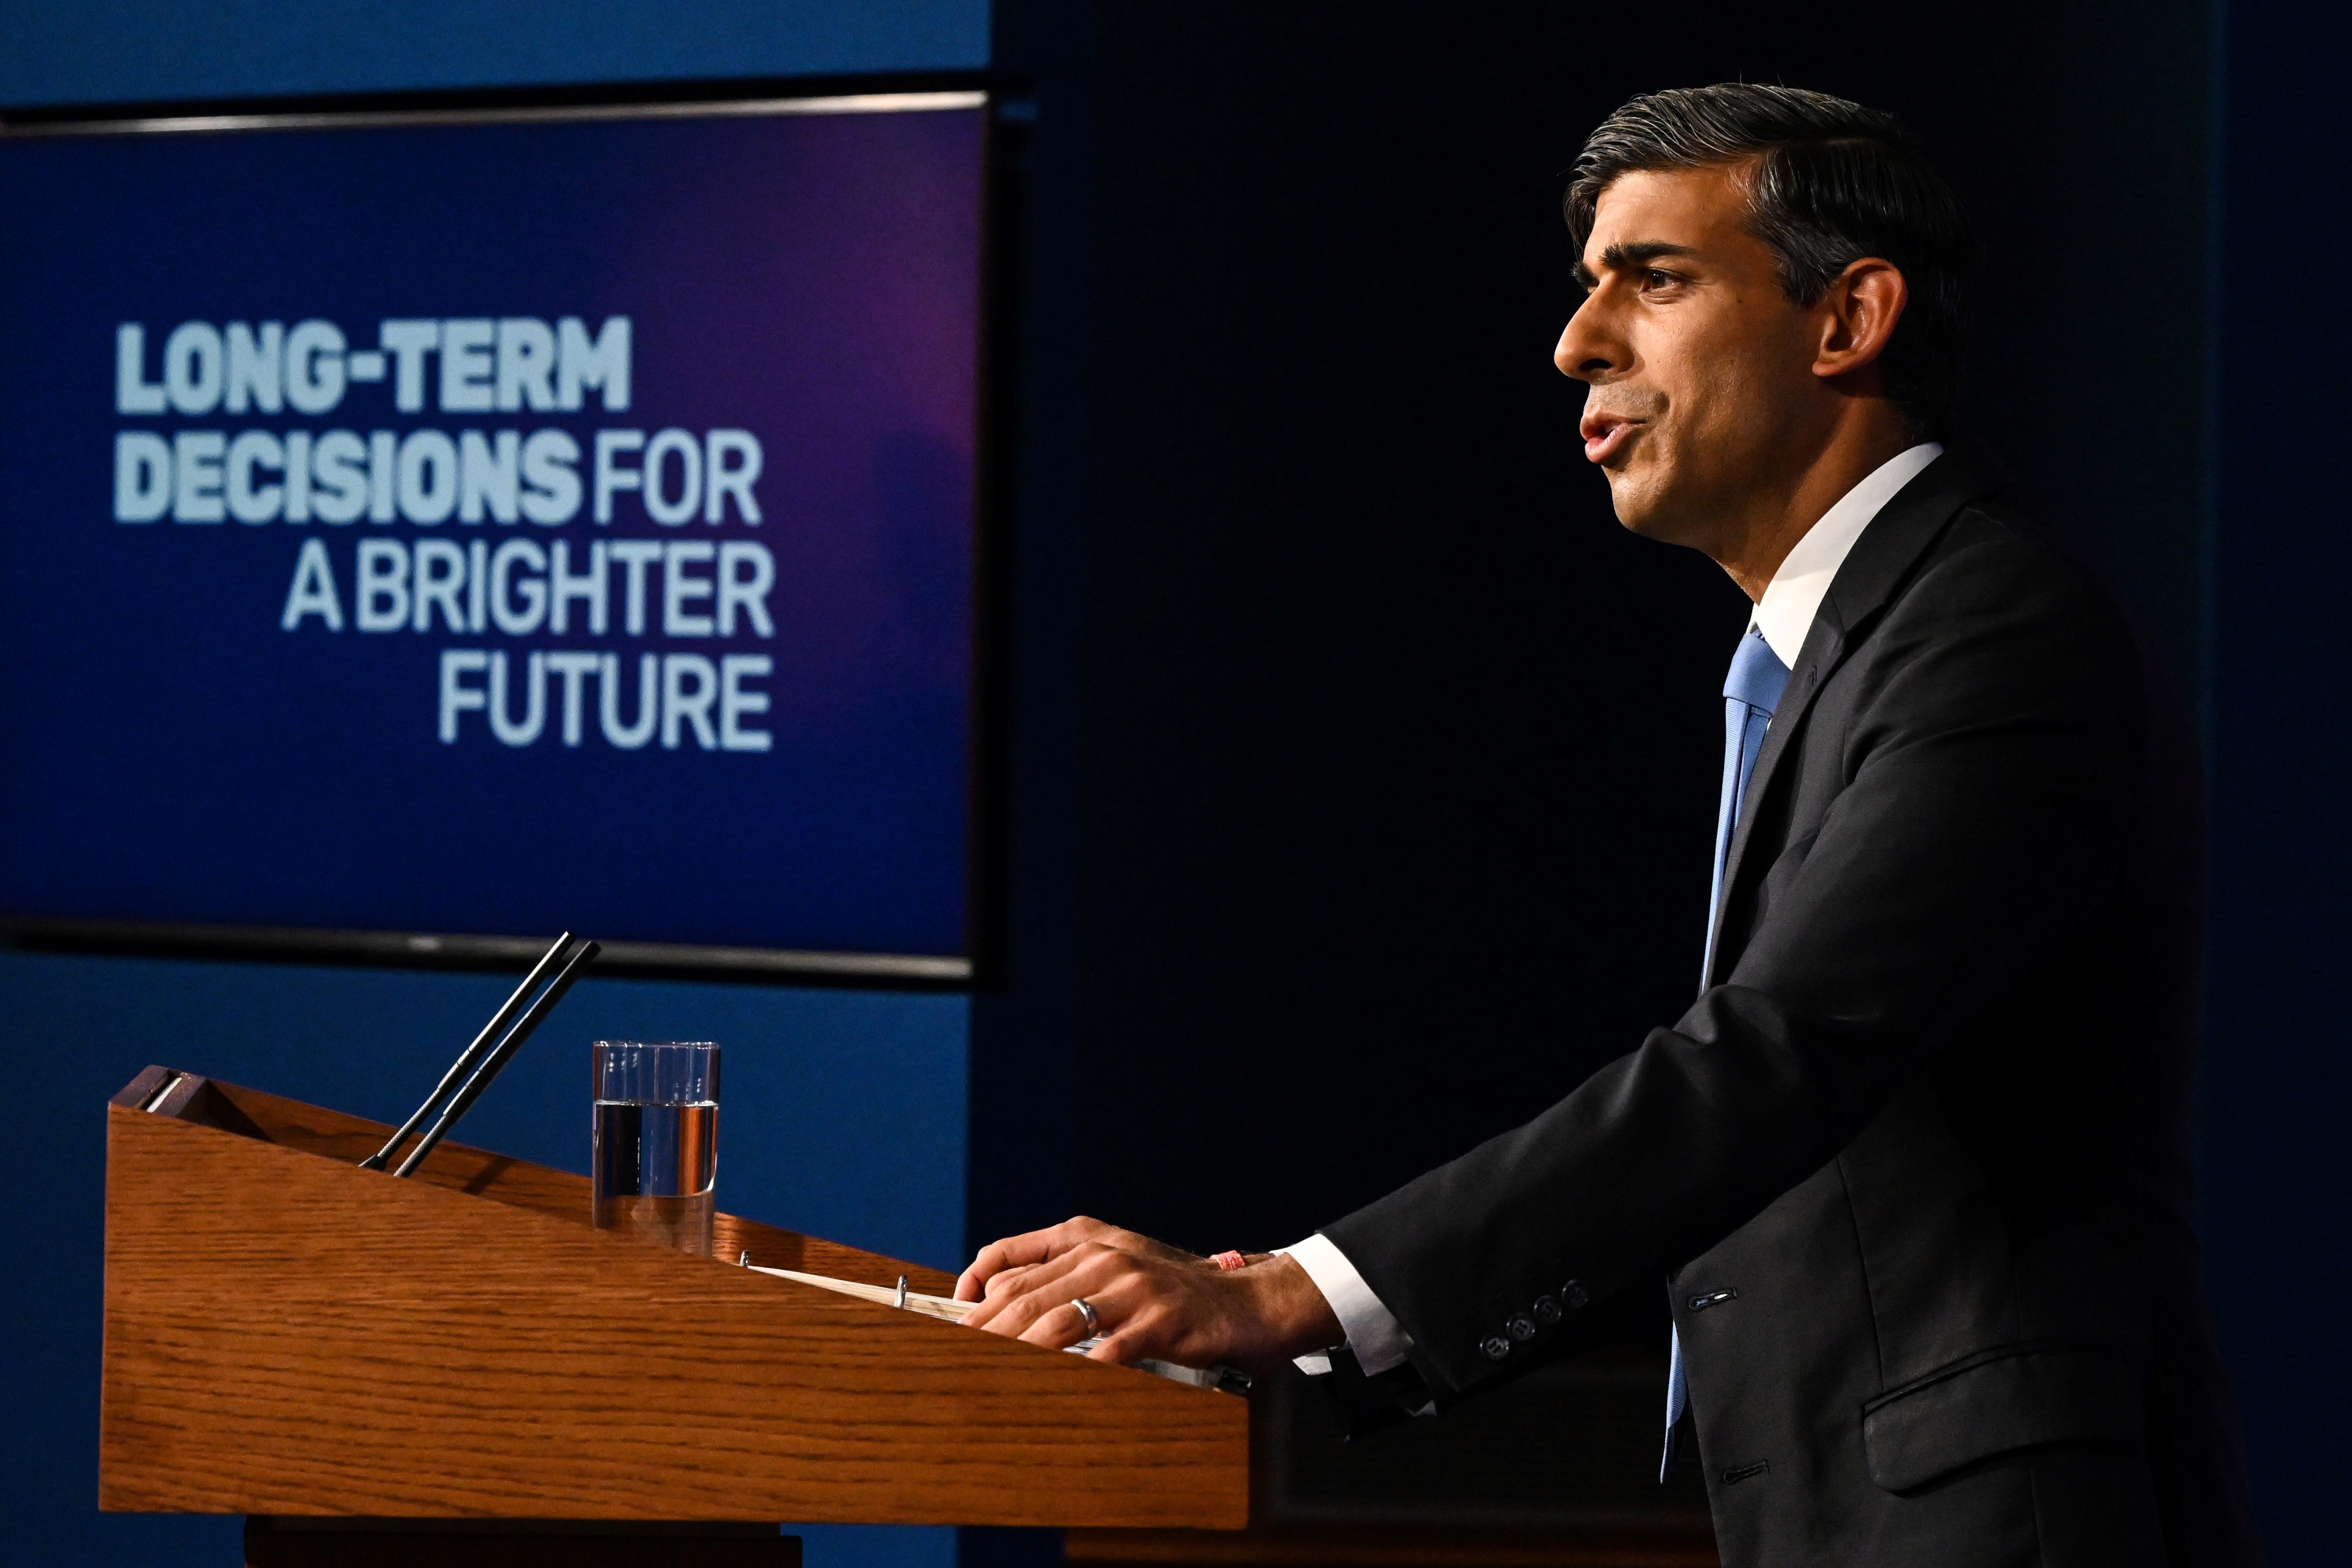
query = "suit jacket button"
{"x": 1522, "y": 1328}
{"x": 1573, "y": 1293}
{"x": 1546, "y": 1311}
{"x": 1495, "y": 1347}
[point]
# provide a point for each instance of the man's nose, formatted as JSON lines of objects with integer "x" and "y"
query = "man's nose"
{"x": 1589, "y": 350}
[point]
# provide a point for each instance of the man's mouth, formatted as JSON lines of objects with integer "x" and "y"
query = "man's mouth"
{"x": 1606, "y": 435}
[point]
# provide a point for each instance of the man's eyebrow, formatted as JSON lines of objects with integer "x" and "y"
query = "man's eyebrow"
{"x": 1629, "y": 256}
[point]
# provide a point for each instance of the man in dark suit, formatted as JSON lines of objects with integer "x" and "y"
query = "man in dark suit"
{"x": 1914, "y": 1165}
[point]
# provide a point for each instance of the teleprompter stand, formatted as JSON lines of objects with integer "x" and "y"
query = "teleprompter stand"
{"x": 345, "y": 1356}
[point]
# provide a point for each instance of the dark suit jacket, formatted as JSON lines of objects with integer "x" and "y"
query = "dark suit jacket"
{"x": 1915, "y": 1165}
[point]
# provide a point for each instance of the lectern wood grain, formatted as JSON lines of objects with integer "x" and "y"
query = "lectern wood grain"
{"x": 504, "y": 1179}
{"x": 289, "y": 1334}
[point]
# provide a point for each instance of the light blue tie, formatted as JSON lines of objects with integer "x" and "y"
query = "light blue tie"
{"x": 1751, "y": 691}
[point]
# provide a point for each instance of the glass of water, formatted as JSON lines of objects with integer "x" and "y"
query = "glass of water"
{"x": 657, "y": 1139}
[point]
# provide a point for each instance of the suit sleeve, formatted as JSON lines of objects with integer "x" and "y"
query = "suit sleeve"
{"x": 1989, "y": 770}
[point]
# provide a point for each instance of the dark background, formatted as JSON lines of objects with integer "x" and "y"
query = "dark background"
{"x": 1376, "y": 812}
{"x": 1394, "y": 757}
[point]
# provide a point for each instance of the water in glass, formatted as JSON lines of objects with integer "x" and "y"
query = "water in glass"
{"x": 656, "y": 1141}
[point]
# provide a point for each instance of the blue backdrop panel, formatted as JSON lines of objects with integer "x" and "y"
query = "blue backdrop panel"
{"x": 857, "y": 1115}
{"x": 54, "y": 51}
{"x": 842, "y": 1116}
{"x": 493, "y": 528}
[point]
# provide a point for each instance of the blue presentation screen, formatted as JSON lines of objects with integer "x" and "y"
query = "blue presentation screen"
{"x": 493, "y": 525}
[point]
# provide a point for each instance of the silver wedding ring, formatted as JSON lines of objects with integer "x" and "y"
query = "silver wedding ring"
{"x": 1087, "y": 1310}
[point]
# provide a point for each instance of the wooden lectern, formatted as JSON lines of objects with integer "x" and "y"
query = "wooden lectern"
{"x": 288, "y": 1335}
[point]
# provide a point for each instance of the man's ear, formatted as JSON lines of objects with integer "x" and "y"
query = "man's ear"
{"x": 1858, "y": 313}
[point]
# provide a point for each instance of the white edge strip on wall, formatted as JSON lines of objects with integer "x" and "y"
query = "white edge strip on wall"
{"x": 852, "y": 103}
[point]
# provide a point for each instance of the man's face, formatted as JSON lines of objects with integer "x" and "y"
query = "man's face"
{"x": 1700, "y": 369}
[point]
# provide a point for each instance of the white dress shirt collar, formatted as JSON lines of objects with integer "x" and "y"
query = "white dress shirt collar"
{"x": 1794, "y": 595}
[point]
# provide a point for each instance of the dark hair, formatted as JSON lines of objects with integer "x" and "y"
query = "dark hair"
{"x": 1833, "y": 181}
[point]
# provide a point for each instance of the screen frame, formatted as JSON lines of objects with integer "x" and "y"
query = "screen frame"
{"x": 668, "y": 960}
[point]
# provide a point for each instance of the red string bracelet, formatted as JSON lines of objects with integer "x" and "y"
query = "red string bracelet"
{"x": 1229, "y": 1261}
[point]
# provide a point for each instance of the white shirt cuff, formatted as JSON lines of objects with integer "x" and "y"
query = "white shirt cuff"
{"x": 1379, "y": 1341}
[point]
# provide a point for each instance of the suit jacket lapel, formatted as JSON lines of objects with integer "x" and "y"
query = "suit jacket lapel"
{"x": 1877, "y": 566}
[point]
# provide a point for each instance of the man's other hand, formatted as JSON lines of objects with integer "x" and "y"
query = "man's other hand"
{"x": 1152, "y": 1302}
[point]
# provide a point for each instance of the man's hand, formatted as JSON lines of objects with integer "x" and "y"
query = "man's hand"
{"x": 1152, "y": 1301}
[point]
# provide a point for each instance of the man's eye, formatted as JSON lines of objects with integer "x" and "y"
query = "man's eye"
{"x": 1653, "y": 278}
